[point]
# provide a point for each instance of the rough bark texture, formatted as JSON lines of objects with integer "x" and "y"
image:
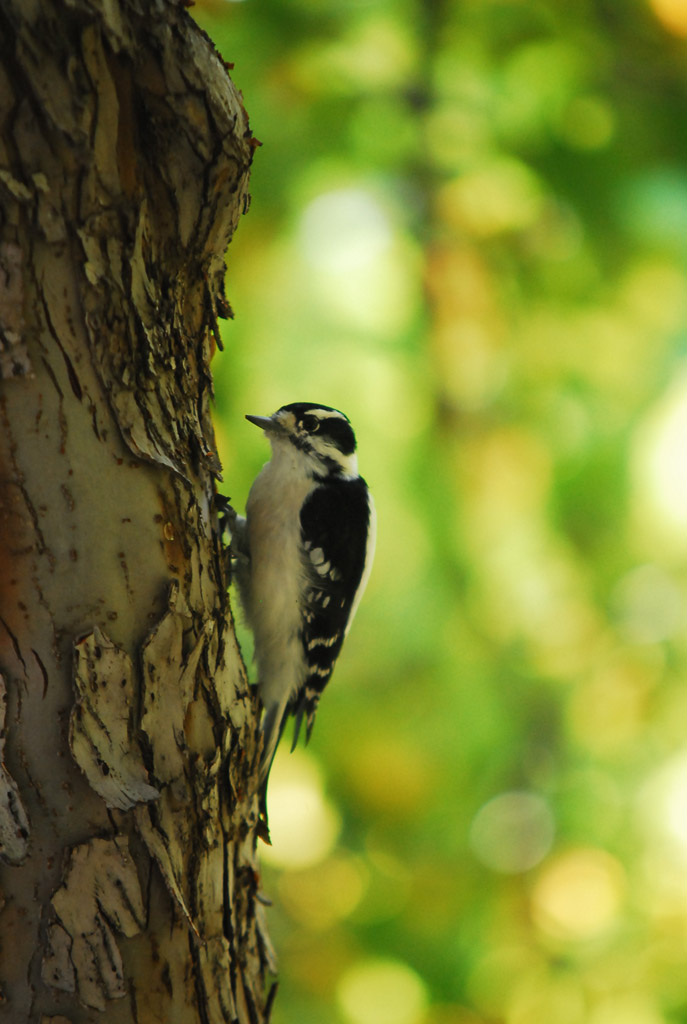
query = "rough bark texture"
{"x": 127, "y": 728}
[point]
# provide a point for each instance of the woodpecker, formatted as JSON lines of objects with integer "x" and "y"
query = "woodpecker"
{"x": 306, "y": 548}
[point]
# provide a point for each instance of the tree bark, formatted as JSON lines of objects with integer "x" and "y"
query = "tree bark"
{"x": 127, "y": 727}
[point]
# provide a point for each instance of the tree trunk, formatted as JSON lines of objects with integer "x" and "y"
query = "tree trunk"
{"x": 127, "y": 807}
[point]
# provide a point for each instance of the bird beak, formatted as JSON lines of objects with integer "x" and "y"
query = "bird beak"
{"x": 266, "y": 423}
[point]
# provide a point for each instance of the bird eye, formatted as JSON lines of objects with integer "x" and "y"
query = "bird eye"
{"x": 311, "y": 424}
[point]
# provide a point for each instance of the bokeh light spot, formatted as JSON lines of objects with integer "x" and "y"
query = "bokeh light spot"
{"x": 320, "y": 896}
{"x": 357, "y": 265}
{"x": 542, "y": 997}
{"x": 634, "y": 1007}
{"x": 303, "y": 824}
{"x": 663, "y": 806}
{"x": 513, "y": 832}
{"x": 382, "y": 992}
{"x": 344, "y": 229}
{"x": 659, "y": 465}
{"x": 578, "y": 894}
{"x": 504, "y": 195}
{"x": 649, "y": 605}
{"x": 672, "y": 14}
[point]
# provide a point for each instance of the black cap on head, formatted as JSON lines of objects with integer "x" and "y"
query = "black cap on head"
{"x": 326, "y": 422}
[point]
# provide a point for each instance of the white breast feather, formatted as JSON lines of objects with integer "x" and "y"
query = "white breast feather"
{"x": 277, "y": 569}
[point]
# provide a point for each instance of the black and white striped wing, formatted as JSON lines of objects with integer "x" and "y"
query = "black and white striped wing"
{"x": 337, "y": 523}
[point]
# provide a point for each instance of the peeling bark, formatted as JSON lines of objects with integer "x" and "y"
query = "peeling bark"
{"x": 127, "y": 727}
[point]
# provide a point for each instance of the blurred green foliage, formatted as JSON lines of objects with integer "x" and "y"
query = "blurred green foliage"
{"x": 468, "y": 231}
